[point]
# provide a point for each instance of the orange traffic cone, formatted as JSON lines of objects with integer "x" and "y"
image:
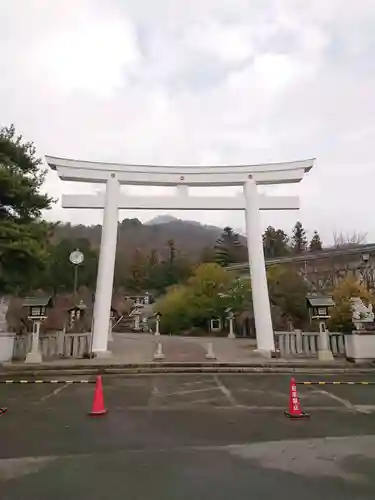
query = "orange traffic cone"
{"x": 98, "y": 404}
{"x": 3, "y": 410}
{"x": 294, "y": 403}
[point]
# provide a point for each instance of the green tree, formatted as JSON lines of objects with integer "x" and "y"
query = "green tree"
{"x": 153, "y": 258}
{"x": 228, "y": 248}
{"x": 175, "y": 269}
{"x": 138, "y": 272}
{"x": 206, "y": 294}
{"x": 176, "y": 316}
{"x": 171, "y": 251}
{"x": 59, "y": 273}
{"x": 316, "y": 243}
{"x": 299, "y": 240}
{"x": 275, "y": 243}
{"x": 288, "y": 291}
{"x": 24, "y": 237}
{"x": 208, "y": 254}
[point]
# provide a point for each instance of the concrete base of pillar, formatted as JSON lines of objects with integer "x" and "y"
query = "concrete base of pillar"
{"x": 102, "y": 354}
{"x": 263, "y": 352}
{"x": 33, "y": 357}
{"x": 325, "y": 355}
{"x": 231, "y": 336}
{"x": 159, "y": 356}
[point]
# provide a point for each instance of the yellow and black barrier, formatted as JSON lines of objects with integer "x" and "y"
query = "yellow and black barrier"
{"x": 47, "y": 381}
{"x": 92, "y": 381}
{"x": 335, "y": 383}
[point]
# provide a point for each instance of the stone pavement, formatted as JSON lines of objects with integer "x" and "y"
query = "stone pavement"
{"x": 139, "y": 348}
{"x": 199, "y": 436}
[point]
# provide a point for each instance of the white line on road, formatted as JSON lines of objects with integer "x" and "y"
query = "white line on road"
{"x": 343, "y": 401}
{"x": 229, "y": 396}
{"x": 54, "y": 392}
{"x": 191, "y": 391}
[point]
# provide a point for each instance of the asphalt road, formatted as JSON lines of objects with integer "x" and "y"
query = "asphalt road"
{"x": 188, "y": 436}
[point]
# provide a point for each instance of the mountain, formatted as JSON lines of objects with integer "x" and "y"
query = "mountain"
{"x": 161, "y": 219}
{"x": 190, "y": 238}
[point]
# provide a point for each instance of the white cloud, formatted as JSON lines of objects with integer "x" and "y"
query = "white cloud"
{"x": 226, "y": 42}
{"x": 92, "y": 57}
{"x": 218, "y": 81}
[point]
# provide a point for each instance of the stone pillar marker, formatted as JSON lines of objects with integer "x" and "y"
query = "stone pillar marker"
{"x": 35, "y": 356}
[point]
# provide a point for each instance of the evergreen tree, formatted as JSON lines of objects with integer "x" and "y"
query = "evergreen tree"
{"x": 275, "y": 242}
{"x": 228, "y": 248}
{"x": 24, "y": 236}
{"x": 299, "y": 240}
{"x": 316, "y": 243}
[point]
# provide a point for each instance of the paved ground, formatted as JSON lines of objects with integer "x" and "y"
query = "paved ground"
{"x": 140, "y": 347}
{"x": 182, "y": 437}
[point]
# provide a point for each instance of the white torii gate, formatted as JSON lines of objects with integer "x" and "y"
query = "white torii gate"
{"x": 115, "y": 174}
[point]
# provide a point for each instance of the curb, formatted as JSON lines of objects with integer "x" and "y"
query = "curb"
{"x": 180, "y": 369}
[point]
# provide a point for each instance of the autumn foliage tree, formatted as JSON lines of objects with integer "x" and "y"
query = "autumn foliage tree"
{"x": 341, "y": 314}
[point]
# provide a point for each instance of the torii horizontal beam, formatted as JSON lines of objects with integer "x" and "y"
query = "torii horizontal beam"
{"x": 89, "y": 201}
{"x": 172, "y": 175}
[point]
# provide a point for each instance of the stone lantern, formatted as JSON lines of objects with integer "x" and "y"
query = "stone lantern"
{"x": 76, "y": 313}
{"x": 319, "y": 309}
{"x": 37, "y": 312}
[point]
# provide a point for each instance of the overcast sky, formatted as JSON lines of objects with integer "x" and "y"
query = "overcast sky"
{"x": 201, "y": 81}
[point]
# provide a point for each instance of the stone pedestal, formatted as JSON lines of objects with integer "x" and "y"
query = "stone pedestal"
{"x": 157, "y": 327}
{"x": 231, "y": 334}
{"x": 360, "y": 347}
{"x": 324, "y": 352}
{"x": 34, "y": 356}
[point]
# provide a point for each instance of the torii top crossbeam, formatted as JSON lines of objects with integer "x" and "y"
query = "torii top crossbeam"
{"x": 160, "y": 175}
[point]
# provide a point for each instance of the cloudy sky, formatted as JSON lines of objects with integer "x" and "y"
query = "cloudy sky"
{"x": 201, "y": 81}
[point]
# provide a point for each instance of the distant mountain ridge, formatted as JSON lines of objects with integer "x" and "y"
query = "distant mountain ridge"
{"x": 190, "y": 237}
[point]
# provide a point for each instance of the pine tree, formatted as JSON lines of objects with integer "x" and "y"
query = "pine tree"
{"x": 275, "y": 242}
{"x": 228, "y": 248}
{"x": 316, "y": 243}
{"x": 299, "y": 240}
{"x": 24, "y": 236}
